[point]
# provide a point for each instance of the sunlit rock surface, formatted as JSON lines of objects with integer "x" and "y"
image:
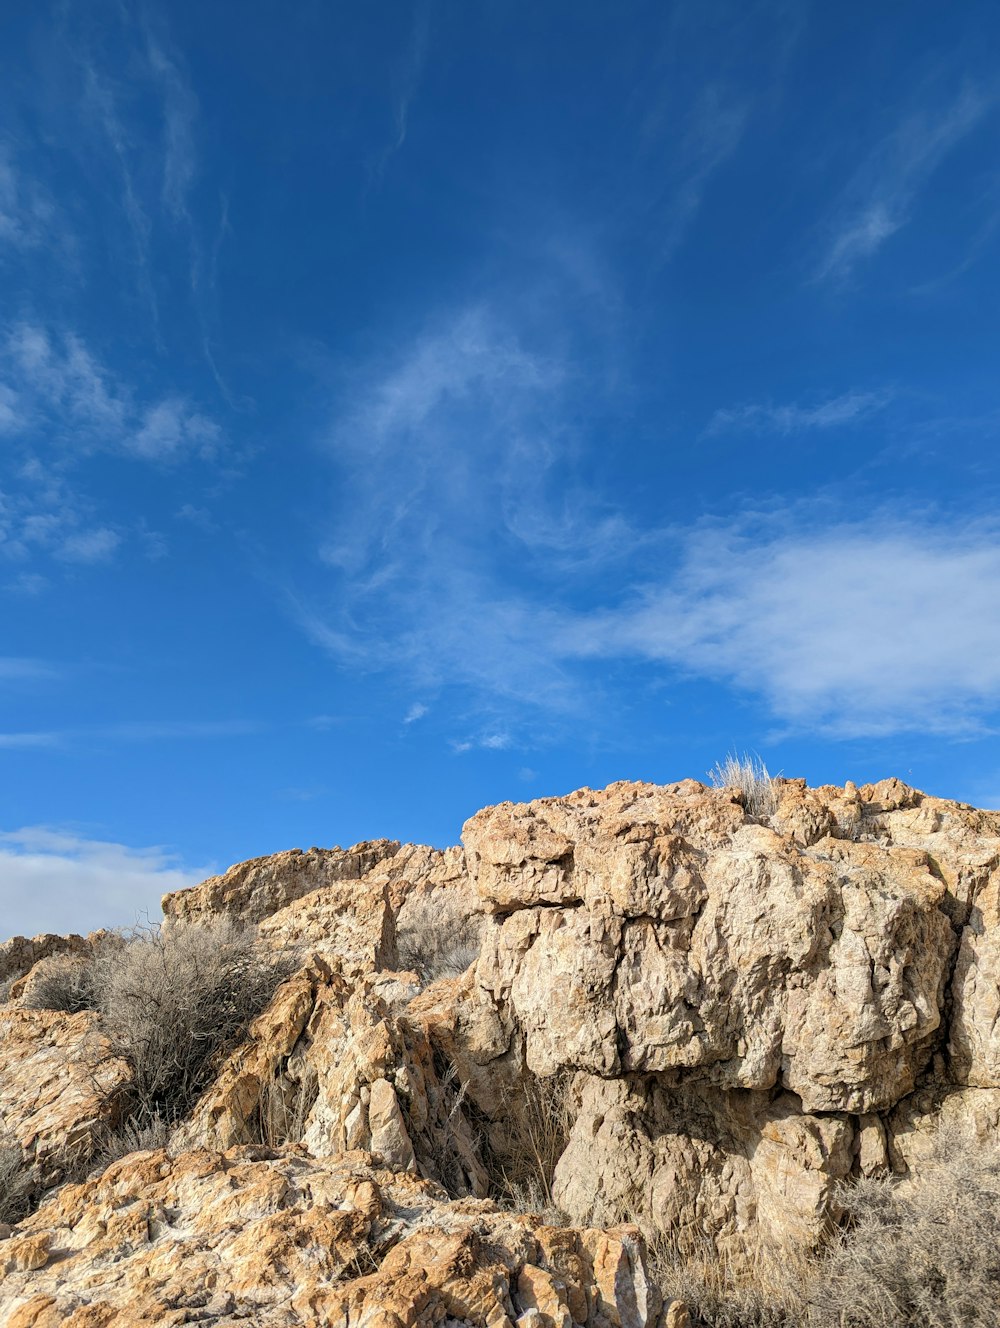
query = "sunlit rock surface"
{"x": 730, "y": 1014}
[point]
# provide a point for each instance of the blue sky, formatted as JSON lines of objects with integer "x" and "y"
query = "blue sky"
{"x": 410, "y": 406}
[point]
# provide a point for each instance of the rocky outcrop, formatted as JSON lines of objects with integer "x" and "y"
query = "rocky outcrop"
{"x": 340, "y": 1066}
{"x": 278, "y": 1238}
{"x": 57, "y": 1087}
{"x": 721, "y": 1017}
{"x": 748, "y": 1008}
{"x": 749, "y": 1003}
{"x": 20, "y": 954}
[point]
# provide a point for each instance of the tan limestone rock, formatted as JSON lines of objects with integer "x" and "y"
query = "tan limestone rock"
{"x": 283, "y": 1239}
{"x": 725, "y": 950}
{"x": 55, "y": 1087}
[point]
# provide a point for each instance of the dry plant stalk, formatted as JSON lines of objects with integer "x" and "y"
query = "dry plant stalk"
{"x": 283, "y": 1109}
{"x": 529, "y": 1136}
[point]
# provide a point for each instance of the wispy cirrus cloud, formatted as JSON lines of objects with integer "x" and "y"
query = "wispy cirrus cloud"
{"x": 101, "y": 101}
{"x": 879, "y": 199}
{"x": 27, "y": 212}
{"x": 794, "y": 417}
{"x": 711, "y": 134}
{"x": 697, "y": 93}
{"x": 455, "y": 479}
{"x": 57, "y": 385}
{"x": 406, "y": 79}
{"x": 53, "y": 871}
{"x": 180, "y": 115}
{"x": 865, "y": 626}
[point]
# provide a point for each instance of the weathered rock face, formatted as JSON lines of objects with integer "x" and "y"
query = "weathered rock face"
{"x": 649, "y": 930}
{"x": 56, "y": 1086}
{"x": 749, "y": 1001}
{"x": 278, "y": 1238}
{"x": 341, "y": 1066}
{"x": 20, "y": 954}
{"x": 739, "y": 1014}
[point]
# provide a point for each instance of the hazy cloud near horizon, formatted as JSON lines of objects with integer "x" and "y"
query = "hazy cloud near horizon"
{"x": 58, "y": 880}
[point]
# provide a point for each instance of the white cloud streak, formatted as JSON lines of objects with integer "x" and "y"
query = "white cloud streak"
{"x": 180, "y": 114}
{"x": 407, "y": 80}
{"x": 712, "y": 133}
{"x": 855, "y": 629}
{"x": 879, "y": 199}
{"x": 136, "y": 731}
{"x": 457, "y": 564}
{"x": 50, "y": 873}
{"x": 834, "y": 412}
{"x": 454, "y": 466}
{"x": 101, "y": 100}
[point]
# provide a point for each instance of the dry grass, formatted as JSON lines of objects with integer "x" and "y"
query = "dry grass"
{"x": 172, "y": 1004}
{"x": 133, "y": 1136}
{"x": 760, "y": 1289}
{"x": 921, "y": 1252}
{"x": 17, "y": 1183}
{"x": 436, "y": 937}
{"x": 527, "y": 1139}
{"x": 748, "y": 775}
{"x": 283, "y": 1110}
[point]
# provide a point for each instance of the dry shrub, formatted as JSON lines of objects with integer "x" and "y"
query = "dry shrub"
{"x": 65, "y": 982}
{"x": 173, "y": 1003}
{"x": 762, "y": 1288}
{"x": 923, "y": 1251}
{"x": 138, "y": 1135}
{"x": 436, "y": 937}
{"x": 748, "y": 775}
{"x": 526, "y": 1141}
{"x": 17, "y": 1183}
{"x": 919, "y": 1253}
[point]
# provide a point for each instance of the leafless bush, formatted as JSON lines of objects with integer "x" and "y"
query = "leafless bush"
{"x": 17, "y": 1182}
{"x": 436, "y": 937}
{"x": 173, "y": 1003}
{"x": 749, "y": 775}
{"x": 923, "y": 1251}
{"x": 65, "y": 982}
